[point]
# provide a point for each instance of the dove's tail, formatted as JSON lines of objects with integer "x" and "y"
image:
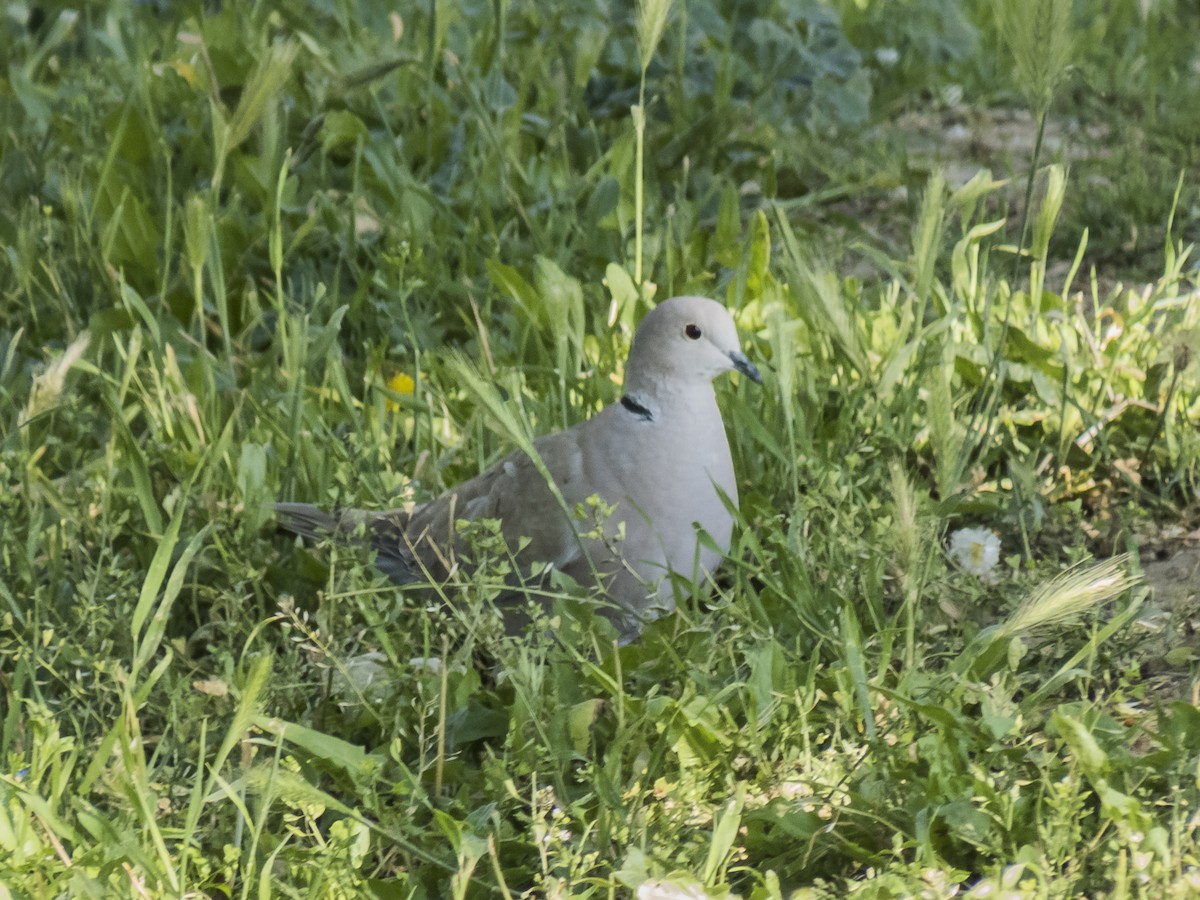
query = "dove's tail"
{"x": 306, "y": 520}
{"x": 384, "y": 532}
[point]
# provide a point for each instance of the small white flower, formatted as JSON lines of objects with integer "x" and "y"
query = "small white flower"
{"x": 887, "y": 56}
{"x": 668, "y": 890}
{"x": 976, "y": 550}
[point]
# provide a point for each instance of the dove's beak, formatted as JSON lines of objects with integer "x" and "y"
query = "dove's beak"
{"x": 743, "y": 365}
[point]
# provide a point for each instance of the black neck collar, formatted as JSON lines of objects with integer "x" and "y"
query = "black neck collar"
{"x": 636, "y": 408}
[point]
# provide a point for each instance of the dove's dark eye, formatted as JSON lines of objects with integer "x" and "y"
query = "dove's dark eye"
{"x": 693, "y": 331}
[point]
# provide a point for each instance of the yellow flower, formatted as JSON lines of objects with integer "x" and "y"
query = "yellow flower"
{"x": 400, "y": 383}
{"x": 184, "y": 70}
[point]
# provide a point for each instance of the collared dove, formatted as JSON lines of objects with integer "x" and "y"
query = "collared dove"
{"x": 659, "y": 458}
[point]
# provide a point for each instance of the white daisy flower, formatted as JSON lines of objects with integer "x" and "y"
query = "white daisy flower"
{"x": 976, "y": 550}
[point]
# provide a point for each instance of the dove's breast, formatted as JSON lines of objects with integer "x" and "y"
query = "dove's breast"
{"x": 662, "y": 476}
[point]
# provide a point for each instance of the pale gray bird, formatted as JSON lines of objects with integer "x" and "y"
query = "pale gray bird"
{"x": 659, "y": 458}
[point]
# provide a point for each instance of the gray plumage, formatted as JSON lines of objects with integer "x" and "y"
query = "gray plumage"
{"x": 659, "y": 457}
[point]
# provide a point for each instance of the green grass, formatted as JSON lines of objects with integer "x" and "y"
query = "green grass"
{"x": 226, "y": 232}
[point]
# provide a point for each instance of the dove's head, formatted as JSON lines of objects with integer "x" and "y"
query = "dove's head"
{"x": 684, "y": 341}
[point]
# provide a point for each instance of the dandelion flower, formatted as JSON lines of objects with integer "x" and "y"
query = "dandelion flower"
{"x": 977, "y": 551}
{"x": 400, "y": 383}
